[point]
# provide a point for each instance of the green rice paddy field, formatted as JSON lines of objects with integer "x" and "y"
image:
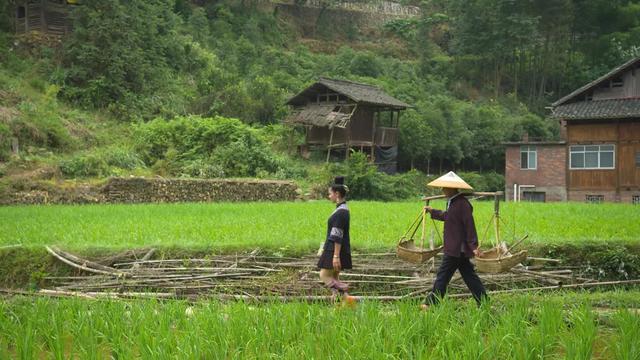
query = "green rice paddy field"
{"x": 573, "y": 326}
{"x": 563, "y": 325}
{"x": 297, "y": 226}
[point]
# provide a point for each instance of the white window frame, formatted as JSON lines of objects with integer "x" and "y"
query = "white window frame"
{"x": 529, "y": 150}
{"x": 600, "y": 151}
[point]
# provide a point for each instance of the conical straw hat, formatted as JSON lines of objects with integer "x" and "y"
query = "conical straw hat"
{"x": 450, "y": 180}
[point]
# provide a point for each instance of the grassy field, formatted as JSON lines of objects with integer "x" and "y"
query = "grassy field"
{"x": 571, "y": 325}
{"x": 513, "y": 327}
{"x": 298, "y": 226}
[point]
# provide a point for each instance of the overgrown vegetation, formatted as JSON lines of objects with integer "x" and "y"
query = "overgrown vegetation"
{"x": 80, "y": 105}
{"x": 205, "y": 147}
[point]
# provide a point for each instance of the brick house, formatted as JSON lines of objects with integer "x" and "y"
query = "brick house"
{"x": 598, "y": 158}
{"x": 536, "y": 170}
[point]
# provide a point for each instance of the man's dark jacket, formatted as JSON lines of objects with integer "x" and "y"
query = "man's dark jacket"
{"x": 459, "y": 228}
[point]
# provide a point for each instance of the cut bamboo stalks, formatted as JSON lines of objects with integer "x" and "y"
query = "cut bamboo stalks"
{"x": 253, "y": 276}
{"x": 146, "y": 257}
{"x": 83, "y": 262}
{"x": 82, "y": 267}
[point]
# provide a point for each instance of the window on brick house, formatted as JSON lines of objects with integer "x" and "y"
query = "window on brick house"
{"x": 528, "y": 157}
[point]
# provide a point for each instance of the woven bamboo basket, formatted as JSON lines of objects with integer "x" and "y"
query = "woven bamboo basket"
{"x": 492, "y": 262}
{"x": 408, "y": 251}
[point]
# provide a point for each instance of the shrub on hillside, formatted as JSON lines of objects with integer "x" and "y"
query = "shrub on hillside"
{"x": 366, "y": 182}
{"x": 205, "y": 147}
{"x": 5, "y": 142}
{"x": 122, "y": 158}
{"x": 202, "y": 168}
{"x": 101, "y": 163}
{"x": 245, "y": 156}
{"x": 86, "y": 165}
{"x": 40, "y": 125}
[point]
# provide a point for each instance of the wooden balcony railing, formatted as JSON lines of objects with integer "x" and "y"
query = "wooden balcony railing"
{"x": 386, "y": 136}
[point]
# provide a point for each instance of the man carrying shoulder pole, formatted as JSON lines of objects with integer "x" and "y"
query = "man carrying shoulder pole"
{"x": 460, "y": 240}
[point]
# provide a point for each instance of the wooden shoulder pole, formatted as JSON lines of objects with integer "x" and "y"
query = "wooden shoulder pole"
{"x": 496, "y": 220}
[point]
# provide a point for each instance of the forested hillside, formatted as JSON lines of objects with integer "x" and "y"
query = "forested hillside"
{"x": 198, "y": 88}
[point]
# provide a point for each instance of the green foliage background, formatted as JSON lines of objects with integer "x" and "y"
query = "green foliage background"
{"x": 139, "y": 86}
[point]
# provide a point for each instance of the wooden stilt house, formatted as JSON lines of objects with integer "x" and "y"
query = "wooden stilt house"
{"x": 46, "y": 16}
{"x": 345, "y": 115}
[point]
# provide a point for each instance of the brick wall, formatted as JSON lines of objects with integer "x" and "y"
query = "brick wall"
{"x": 548, "y": 177}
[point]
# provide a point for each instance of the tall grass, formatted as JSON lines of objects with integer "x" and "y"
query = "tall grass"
{"x": 625, "y": 344}
{"x": 295, "y": 226}
{"x": 516, "y": 327}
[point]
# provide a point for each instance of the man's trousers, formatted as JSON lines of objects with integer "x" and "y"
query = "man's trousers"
{"x": 448, "y": 267}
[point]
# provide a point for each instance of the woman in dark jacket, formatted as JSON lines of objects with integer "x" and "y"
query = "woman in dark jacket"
{"x": 336, "y": 251}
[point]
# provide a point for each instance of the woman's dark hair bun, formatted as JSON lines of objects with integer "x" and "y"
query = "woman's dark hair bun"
{"x": 339, "y": 186}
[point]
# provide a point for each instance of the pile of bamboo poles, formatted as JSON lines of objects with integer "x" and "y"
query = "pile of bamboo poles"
{"x": 379, "y": 276}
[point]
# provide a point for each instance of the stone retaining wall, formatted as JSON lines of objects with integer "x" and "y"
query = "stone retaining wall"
{"x": 367, "y": 14}
{"x": 380, "y": 7}
{"x": 142, "y": 190}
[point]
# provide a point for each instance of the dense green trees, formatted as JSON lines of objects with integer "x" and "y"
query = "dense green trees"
{"x": 540, "y": 50}
{"x": 473, "y": 70}
{"x": 6, "y": 11}
{"x": 123, "y": 55}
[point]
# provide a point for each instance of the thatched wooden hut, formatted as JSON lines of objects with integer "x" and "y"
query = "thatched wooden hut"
{"x": 339, "y": 114}
{"x": 46, "y": 16}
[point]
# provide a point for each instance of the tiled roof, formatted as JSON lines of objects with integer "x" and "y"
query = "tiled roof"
{"x": 358, "y": 92}
{"x": 629, "y": 64}
{"x": 599, "y": 109}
